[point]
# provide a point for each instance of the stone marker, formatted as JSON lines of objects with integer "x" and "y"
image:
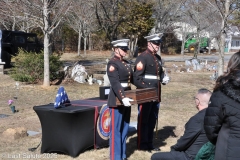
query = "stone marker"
{"x": 14, "y": 133}
{"x": 1, "y": 67}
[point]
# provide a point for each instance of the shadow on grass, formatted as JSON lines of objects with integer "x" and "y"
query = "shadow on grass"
{"x": 162, "y": 135}
{"x": 159, "y": 137}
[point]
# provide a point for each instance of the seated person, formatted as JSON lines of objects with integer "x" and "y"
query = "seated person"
{"x": 194, "y": 136}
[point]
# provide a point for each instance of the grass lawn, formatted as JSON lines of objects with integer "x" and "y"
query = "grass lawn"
{"x": 177, "y": 107}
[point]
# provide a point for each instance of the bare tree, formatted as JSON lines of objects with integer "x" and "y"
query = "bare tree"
{"x": 107, "y": 13}
{"x": 182, "y": 29}
{"x": 81, "y": 17}
{"x": 225, "y": 9}
{"x": 203, "y": 17}
{"x": 166, "y": 14}
{"x": 10, "y": 14}
{"x": 74, "y": 21}
{"x": 47, "y": 15}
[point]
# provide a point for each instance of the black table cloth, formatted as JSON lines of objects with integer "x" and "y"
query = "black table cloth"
{"x": 72, "y": 129}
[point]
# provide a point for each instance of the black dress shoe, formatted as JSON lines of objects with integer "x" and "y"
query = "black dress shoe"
{"x": 124, "y": 159}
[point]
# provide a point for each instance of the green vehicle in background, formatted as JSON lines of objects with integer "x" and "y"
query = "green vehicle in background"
{"x": 192, "y": 43}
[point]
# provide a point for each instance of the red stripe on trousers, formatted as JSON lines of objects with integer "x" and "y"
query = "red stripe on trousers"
{"x": 112, "y": 119}
{"x": 95, "y": 126}
{"x": 139, "y": 126}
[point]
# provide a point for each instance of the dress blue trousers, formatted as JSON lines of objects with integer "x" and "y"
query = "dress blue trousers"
{"x": 147, "y": 117}
{"x": 120, "y": 118}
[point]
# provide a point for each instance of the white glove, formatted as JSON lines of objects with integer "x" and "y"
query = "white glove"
{"x": 126, "y": 101}
{"x": 165, "y": 79}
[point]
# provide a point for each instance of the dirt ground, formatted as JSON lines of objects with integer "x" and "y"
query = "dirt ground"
{"x": 176, "y": 108}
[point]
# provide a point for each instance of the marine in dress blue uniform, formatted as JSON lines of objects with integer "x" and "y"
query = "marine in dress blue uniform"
{"x": 120, "y": 73}
{"x": 148, "y": 73}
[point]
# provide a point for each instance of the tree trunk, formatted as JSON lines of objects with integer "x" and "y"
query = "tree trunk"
{"x": 50, "y": 43}
{"x": 209, "y": 46}
{"x": 135, "y": 46}
{"x": 132, "y": 48}
{"x": 46, "y": 80}
{"x": 85, "y": 46}
{"x": 183, "y": 29}
{"x": 183, "y": 44}
{"x": 27, "y": 24}
{"x": 131, "y": 45}
{"x": 221, "y": 53}
{"x": 196, "y": 45}
{"x": 63, "y": 45}
{"x": 220, "y": 63}
{"x": 14, "y": 23}
{"x": 79, "y": 41}
{"x": 222, "y": 39}
{"x": 90, "y": 42}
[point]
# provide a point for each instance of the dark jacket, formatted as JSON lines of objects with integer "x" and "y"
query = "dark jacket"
{"x": 148, "y": 63}
{"x": 118, "y": 71}
{"x": 194, "y": 136}
{"x": 222, "y": 122}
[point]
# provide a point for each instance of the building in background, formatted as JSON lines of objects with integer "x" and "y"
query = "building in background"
{"x": 232, "y": 43}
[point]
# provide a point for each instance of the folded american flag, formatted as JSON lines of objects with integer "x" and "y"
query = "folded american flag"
{"x": 61, "y": 98}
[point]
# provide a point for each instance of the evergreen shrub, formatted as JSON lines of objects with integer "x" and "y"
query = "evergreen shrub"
{"x": 29, "y": 67}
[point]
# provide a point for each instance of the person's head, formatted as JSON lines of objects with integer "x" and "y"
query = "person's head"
{"x": 234, "y": 62}
{"x": 154, "y": 42}
{"x": 233, "y": 69}
{"x": 120, "y": 47}
{"x": 202, "y": 98}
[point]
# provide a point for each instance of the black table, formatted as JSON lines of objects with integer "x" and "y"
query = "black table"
{"x": 72, "y": 129}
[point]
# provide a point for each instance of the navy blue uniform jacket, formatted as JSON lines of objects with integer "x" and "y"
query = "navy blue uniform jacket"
{"x": 148, "y": 63}
{"x": 118, "y": 71}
